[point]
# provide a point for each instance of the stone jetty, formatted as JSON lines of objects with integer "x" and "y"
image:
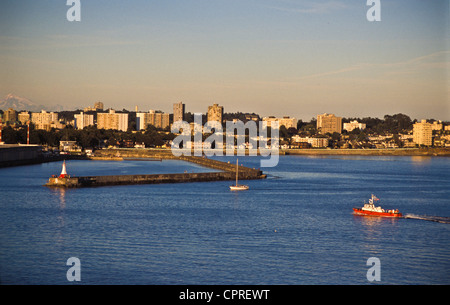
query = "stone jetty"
{"x": 227, "y": 172}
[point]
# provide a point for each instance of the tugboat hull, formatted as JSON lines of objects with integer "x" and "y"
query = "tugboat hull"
{"x": 373, "y": 213}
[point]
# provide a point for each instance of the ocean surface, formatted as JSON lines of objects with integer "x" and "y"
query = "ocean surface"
{"x": 295, "y": 227}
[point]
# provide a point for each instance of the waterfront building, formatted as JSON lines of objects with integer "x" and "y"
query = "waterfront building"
{"x": 112, "y": 120}
{"x": 157, "y": 119}
{"x": 69, "y": 146}
{"x": 178, "y": 112}
{"x": 83, "y": 120}
{"x": 423, "y": 133}
{"x": 215, "y": 113}
{"x": 315, "y": 142}
{"x": 285, "y": 121}
{"x": 44, "y": 120}
{"x": 353, "y": 125}
{"x": 329, "y": 123}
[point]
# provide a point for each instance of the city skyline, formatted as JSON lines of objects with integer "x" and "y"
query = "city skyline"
{"x": 296, "y": 58}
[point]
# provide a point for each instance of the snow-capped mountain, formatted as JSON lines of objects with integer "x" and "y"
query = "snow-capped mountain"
{"x": 20, "y": 103}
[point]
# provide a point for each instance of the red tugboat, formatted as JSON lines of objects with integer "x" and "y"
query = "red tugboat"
{"x": 370, "y": 209}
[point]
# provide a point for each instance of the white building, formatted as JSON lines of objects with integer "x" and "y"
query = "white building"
{"x": 112, "y": 120}
{"x": 284, "y": 121}
{"x": 423, "y": 133}
{"x": 83, "y": 120}
{"x": 44, "y": 119}
{"x": 353, "y": 125}
{"x": 157, "y": 119}
{"x": 314, "y": 142}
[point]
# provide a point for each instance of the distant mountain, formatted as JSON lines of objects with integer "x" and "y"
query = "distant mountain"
{"x": 20, "y": 103}
{"x": 15, "y": 102}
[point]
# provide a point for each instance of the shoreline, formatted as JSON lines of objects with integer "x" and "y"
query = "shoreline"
{"x": 430, "y": 152}
{"x": 166, "y": 153}
{"x": 121, "y": 154}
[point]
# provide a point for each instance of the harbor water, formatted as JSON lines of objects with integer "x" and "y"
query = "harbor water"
{"x": 295, "y": 227}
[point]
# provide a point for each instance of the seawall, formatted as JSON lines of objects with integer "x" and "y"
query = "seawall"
{"x": 96, "y": 181}
{"x": 227, "y": 172}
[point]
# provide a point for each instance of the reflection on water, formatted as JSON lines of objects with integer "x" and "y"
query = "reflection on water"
{"x": 374, "y": 221}
{"x": 60, "y": 193}
{"x": 420, "y": 160}
{"x": 373, "y": 231}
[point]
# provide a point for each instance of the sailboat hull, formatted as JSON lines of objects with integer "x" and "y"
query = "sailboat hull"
{"x": 239, "y": 187}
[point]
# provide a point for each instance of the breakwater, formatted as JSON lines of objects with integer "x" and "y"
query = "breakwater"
{"x": 228, "y": 173}
{"x": 74, "y": 182}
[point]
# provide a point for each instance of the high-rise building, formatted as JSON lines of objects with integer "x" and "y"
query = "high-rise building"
{"x": 44, "y": 119}
{"x": 83, "y": 120}
{"x": 423, "y": 133}
{"x": 10, "y": 115}
{"x": 162, "y": 120}
{"x": 178, "y": 112}
{"x": 157, "y": 119}
{"x": 286, "y": 121}
{"x": 98, "y": 106}
{"x": 140, "y": 121}
{"x": 112, "y": 120}
{"x": 215, "y": 113}
{"x": 329, "y": 123}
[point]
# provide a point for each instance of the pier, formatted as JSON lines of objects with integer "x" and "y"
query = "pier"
{"x": 227, "y": 173}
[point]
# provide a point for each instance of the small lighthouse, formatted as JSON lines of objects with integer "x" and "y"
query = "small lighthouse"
{"x": 64, "y": 171}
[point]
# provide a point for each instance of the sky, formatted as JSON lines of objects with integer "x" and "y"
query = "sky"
{"x": 295, "y": 58}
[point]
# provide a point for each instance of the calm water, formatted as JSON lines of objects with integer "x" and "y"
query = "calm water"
{"x": 296, "y": 227}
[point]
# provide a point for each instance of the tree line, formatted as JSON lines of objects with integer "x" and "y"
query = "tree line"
{"x": 89, "y": 137}
{"x": 92, "y": 137}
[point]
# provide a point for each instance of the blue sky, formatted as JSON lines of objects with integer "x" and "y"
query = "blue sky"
{"x": 272, "y": 57}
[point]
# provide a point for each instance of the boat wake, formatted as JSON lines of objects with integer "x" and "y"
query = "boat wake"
{"x": 428, "y": 218}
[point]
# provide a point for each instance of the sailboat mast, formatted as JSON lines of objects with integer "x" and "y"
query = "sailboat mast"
{"x": 237, "y": 170}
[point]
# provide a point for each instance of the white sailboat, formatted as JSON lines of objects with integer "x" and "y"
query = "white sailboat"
{"x": 238, "y": 187}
